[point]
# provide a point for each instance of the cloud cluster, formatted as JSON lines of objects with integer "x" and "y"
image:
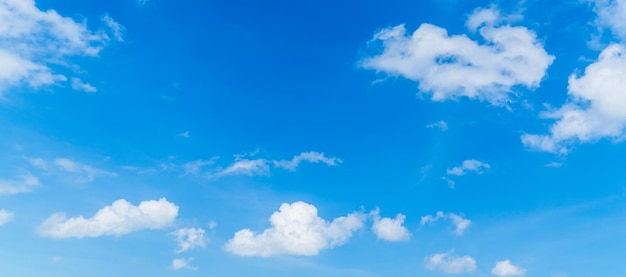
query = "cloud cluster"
{"x": 119, "y": 218}
{"x": 5, "y": 216}
{"x": 296, "y": 229}
{"x": 612, "y": 15}
{"x": 460, "y": 223}
{"x": 468, "y": 166}
{"x": 506, "y": 269}
{"x": 390, "y": 229}
{"x": 22, "y": 184}
{"x": 31, "y": 39}
{"x": 450, "y": 264}
{"x": 189, "y": 238}
{"x": 456, "y": 66}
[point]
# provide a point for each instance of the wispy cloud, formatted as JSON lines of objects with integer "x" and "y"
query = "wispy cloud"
{"x": 312, "y": 157}
{"x": 22, "y": 184}
{"x": 5, "y": 216}
{"x": 449, "y": 264}
{"x": 460, "y": 223}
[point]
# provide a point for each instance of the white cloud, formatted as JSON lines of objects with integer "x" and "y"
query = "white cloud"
{"x": 312, "y": 157}
{"x": 38, "y": 163}
{"x": 77, "y": 84}
{"x": 184, "y": 134}
{"x": 439, "y": 125}
{"x": 449, "y": 264}
{"x": 455, "y": 66}
{"x": 595, "y": 108}
{"x": 32, "y": 39}
{"x": 120, "y": 218}
{"x": 468, "y": 166}
{"x": 460, "y": 223}
{"x": 83, "y": 173}
{"x": 390, "y": 229}
{"x": 506, "y": 269}
{"x": 56, "y": 259}
{"x": 21, "y": 184}
{"x": 296, "y": 230}
{"x": 116, "y": 28}
{"x": 5, "y": 216}
{"x": 612, "y": 15}
{"x": 245, "y": 167}
{"x": 189, "y": 238}
{"x": 195, "y": 166}
{"x": 178, "y": 264}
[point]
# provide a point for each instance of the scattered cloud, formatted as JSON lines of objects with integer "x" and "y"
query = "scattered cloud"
{"x": 189, "y": 238}
{"x": 595, "y": 108}
{"x": 195, "y": 166}
{"x": 5, "y": 216}
{"x": 506, "y": 269}
{"x": 390, "y": 229}
{"x": 468, "y": 166}
{"x": 38, "y": 163}
{"x": 82, "y": 173}
{"x": 178, "y": 264}
{"x": 257, "y": 167}
{"x": 439, "y": 125}
{"x": 77, "y": 84}
{"x": 460, "y": 223}
{"x": 115, "y": 27}
{"x": 312, "y": 157}
{"x": 184, "y": 134}
{"x": 22, "y": 184}
{"x": 296, "y": 229}
{"x": 120, "y": 218}
{"x": 32, "y": 39}
{"x": 449, "y": 264}
{"x": 455, "y": 66}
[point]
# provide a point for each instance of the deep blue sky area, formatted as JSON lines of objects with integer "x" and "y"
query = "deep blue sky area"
{"x": 312, "y": 138}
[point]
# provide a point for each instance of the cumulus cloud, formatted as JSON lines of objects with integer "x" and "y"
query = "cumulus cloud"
{"x": 312, "y": 157}
{"x": 296, "y": 229}
{"x": 21, "y": 184}
{"x": 439, "y": 125}
{"x": 77, "y": 84}
{"x": 189, "y": 238}
{"x": 5, "y": 216}
{"x": 468, "y": 166}
{"x": 82, "y": 173}
{"x": 32, "y": 39}
{"x": 460, "y": 223}
{"x": 612, "y": 15}
{"x": 390, "y": 229}
{"x": 456, "y": 66}
{"x": 506, "y": 269}
{"x": 449, "y": 264}
{"x": 178, "y": 264}
{"x": 595, "y": 109}
{"x": 119, "y": 218}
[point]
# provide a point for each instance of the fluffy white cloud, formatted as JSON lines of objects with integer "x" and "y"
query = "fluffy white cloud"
{"x": 82, "y": 173}
{"x": 77, "y": 84}
{"x": 506, "y": 269}
{"x": 449, "y": 264}
{"x": 312, "y": 157}
{"x": 296, "y": 229}
{"x": 32, "y": 39}
{"x": 178, "y": 264}
{"x": 390, "y": 229}
{"x": 595, "y": 109}
{"x": 468, "y": 166}
{"x": 120, "y": 218}
{"x": 5, "y": 216}
{"x": 612, "y": 14}
{"x": 439, "y": 125}
{"x": 457, "y": 66}
{"x": 189, "y": 238}
{"x": 22, "y": 184}
{"x": 460, "y": 223}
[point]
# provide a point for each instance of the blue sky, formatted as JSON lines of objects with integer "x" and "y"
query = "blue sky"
{"x": 312, "y": 138}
